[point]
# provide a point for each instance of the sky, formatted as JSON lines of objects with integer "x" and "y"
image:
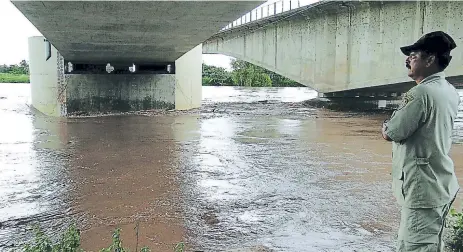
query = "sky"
{"x": 16, "y": 29}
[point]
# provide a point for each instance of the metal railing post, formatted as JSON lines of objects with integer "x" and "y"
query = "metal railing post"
{"x": 244, "y": 19}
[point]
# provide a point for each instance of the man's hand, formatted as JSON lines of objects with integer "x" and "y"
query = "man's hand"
{"x": 385, "y": 136}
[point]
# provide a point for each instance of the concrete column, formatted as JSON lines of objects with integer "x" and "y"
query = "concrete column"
{"x": 46, "y": 78}
{"x": 188, "y": 79}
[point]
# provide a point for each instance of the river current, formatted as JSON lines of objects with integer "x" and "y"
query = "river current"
{"x": 253, "y": 168}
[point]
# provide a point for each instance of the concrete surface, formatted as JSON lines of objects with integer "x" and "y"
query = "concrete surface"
{"x": 188, "y": 79}
{"x": 44, "y": 74}
{"x": 119, "y": 92}
{"x": 58, "y": 94}
{"x": 332, "y": 48}
{"x": 129, "y": 31}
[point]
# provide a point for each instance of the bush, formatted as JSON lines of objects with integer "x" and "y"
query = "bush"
{"x": 70, "y": 242}
{"x": 455, "y": 237}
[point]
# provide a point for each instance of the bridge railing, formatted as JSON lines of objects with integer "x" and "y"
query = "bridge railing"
{"x": 267, "y": 10}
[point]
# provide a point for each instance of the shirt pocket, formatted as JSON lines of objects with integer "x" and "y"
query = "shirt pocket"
{"x": 424, "y": 181}
{"x": 414, "y": 182}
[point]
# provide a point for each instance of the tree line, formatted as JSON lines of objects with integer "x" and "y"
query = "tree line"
{"x": 18, "y": 69}
{"x": 18, "y": 73}
{"x": 244, "y": 74}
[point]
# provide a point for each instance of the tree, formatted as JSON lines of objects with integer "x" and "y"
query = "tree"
{"x": 281, "y": 81}
{"x": 25, "y": 66}
{"x": 4, "y": 68}
{"x": 21, "y": 68}
{"x": 244, "y": 74}
{"x": 247, "y": 74}
{"x": 216, "y": 76}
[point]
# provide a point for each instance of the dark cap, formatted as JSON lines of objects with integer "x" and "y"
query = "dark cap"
{"x": 437, "y": 42}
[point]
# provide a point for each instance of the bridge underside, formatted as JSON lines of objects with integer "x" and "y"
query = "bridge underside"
{"x": 113, "y": 56}
{"x": 344, "y": 48}
{"x": 129, "y": 31}
{"x": 390, "y": 90}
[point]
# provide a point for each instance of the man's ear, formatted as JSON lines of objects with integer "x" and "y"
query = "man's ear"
{"x": 431, "y": 59}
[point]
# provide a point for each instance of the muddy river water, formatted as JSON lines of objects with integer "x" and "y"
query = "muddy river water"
{"x": 251, "y": 168}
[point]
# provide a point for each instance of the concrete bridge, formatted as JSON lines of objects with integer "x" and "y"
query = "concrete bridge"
{"x": 341, "y": 49}
{"x": 121, "y": 55}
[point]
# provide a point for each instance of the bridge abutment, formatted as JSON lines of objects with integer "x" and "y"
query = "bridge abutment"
{"x": 58, "y": 91}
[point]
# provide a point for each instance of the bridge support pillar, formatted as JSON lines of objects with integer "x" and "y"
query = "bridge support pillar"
{"x": 57, "y": 91}
{"x": 46, "y": 75}
{"x": 188, "y": 79}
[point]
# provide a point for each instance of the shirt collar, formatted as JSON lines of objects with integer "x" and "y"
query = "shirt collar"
{"x": 433, "y": 76}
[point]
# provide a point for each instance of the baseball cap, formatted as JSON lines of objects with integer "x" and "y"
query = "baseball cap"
{"x": 437, "y": 42}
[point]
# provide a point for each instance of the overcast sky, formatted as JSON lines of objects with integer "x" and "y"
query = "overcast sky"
{"x": 15, "y": 30}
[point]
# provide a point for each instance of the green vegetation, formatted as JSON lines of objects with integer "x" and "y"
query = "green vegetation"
{"x": 70, "y": 239}
{"x": 70, "y": 242}
{"x": 14, "y": 78}
{"x": 455, "y": 236}
{"x": 15, "y": 73}
{"x": 244, "y": 74}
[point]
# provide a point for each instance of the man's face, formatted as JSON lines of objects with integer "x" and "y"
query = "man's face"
{"x": 416, "y": 64}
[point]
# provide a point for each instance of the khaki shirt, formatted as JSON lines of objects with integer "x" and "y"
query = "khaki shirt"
{"x": 423, "y": 174}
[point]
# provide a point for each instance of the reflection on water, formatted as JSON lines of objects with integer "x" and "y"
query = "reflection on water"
{"x": 241, "y": 172}
{"x": 33, "y": 166}
{"x": 272, "y": 181}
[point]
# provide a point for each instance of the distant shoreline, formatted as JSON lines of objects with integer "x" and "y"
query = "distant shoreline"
{"x": 14, "y": 78}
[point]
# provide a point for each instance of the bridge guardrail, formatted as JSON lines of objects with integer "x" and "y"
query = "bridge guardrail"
{"x": 267, "y": 10}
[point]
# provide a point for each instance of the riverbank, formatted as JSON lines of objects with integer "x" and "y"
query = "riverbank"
{"x": 14, "y": 78}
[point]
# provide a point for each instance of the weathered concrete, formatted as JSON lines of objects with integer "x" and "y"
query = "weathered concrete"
{"x": 131, "y": 92}
{"x": 46, "y": 78}
{"x": 121, "y": 92}
{"x": 129, "y": 31}
{"x": 332, "y": 48}
{"x": 188, "y": 79}
{"x": 57, "y": 93}
{"x": 145, "y": 33}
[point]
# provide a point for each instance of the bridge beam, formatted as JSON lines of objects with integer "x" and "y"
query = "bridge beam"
{"x": 58, "y": 91}
{"x": 332, "y": 46}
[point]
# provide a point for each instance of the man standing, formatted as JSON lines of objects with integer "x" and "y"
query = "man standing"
{"x": 423, "y": 176}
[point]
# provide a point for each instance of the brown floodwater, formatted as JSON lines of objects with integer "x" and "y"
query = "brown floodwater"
{"x": 252, "y": 167}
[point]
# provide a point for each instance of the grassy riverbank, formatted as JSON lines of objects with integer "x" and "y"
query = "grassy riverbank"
{"x": 14, "y": 78}
{"x": 70, "y": 240}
